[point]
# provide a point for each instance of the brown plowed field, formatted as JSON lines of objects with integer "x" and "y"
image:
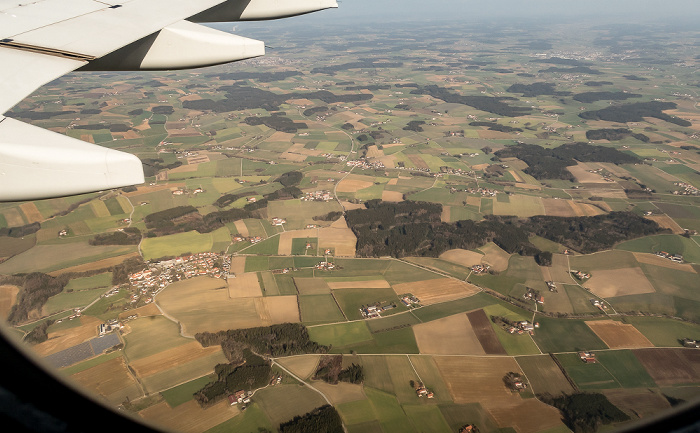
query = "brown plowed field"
{"x": 485, "y": 333}
{"x": 8, "y": 296}
{"x": 452, "y": 335}
{"x": 670, "y": 366}
{"x": 521, "y": 418}
{"x": 639, "y": 402}
{"x": 435, "y": 291}
{"x": 554, "y": 207}
{"x": 108, "y": 379}
{"x": 190, "y": 417}
{"x": 417, "y": 161}
{"x": 617, "y": 335}
{"x": 171, "y": 358}
{"x": 244, "y": 286}
{"x": 619, "y": 282}
{"x": 462, "y": 257}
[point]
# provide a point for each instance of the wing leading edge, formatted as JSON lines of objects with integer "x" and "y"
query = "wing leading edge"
{"x": 41, "y": 40}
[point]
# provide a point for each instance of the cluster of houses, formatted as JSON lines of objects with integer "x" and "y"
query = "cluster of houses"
{"x": 77, "y": 312}
{"x": 422, "y": 391}
{"x": 551, "y": 286}
{"x": 598, "y": 304}
{"x": 63, "y": 232}
{"x": 515, "y": 382}
{"x": 519, "y": 327}
{"x": 580, "y": 274}
{"x": 183, "y": 191}
{"x": 484, "y": 192}
{"x": 375, "y": 310}
{"x": 317, "y": 196}
{"x": 686, "y": 189}
{"x": 587, "y": 357}
{"x": 365, "y": 165}
{"x": 687, "y": 342}
{"x": 533, "y": 295}
{"x": 159, "y": 275}
{"x": 480, "y": 269}
{"x": 672, "y": 257}
{"x": 112, "y": 325}
{"x": 251, "y": 239}
{"x": 277, "y": 221}
{"x": 325, "y": 266}
{"x": 409, "y": 300}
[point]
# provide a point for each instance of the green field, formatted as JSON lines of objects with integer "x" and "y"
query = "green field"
{"x": 398, "y": 272}
{"x": 626, "y": 369}
{"x": 672, "y": 244}
{"x": 319, "y": 309}
{"x": 47, "y": 258}
{"x": 251, "y": 420}
{"x": 269, "y": 246}
{"x": 351, "y": 300}
{"x": 299, "y": 246}
{"x": 65, "y": 300}
{"x": 99, "y": 280}
{"x": 587, "y": 375}
{"x": 180, "y": 243}
{"x": 183, "y": 393}
{"x": 565, "y": 335}
{"x": 388, "y": 411}
{"x": 256, "y": 264}
{"x": 438, "y": 311}
{"x": 341, "y": 334}
{"x": 664, "y": 332}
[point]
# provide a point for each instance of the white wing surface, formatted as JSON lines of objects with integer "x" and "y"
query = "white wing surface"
{"x": 43, "y": 39}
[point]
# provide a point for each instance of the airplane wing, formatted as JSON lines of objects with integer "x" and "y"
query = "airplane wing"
{"x": 41, "y": 40}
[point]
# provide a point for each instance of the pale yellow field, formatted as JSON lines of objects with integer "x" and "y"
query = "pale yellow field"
{"x": 171, "y": 358}
{"x": 282, "y": 309}
{"x": 190, "y": 417}
{"x": 8, "y": 296}
{"x": 653, "y": 259}
{"x": 619, "y": 282}
{"x": 668, "y": 223}
{"x": 62, "y": 339}
{"x": 583, "y": 176}
{"x": 353, "y": 184}
{"x": 338, "y": 237}
{"x": 393, "y": 181}
{"x": 238, "y": 265}
{"x": 516, "y": 176}
{"x": 245, "y": 285}
{"x": 374, "y": 152}
{"x": 369, "y": 284}
{"x": 435, "y": 291}
{"x": 31, "y": 212}
{"x": 99, "y": 208}
{"x": 303, "y": 366}
{"x": 111, "y": 379}
{"x": 342, "y": 392}
{"x": 462, "y": 257}
{"x": 480, "y": 380}
{"x": 285, "y": 244}
{"x": 445, "y": 216}
{"x": 617, "y": 335}
{"x": 350, "y": 206}
{"x": 452, "y": 335}
{"x": 392, "y": 196}
{"x": 242, "y": 229}
{"x": 495, "y": 257}
{"x": 100, "y": 264}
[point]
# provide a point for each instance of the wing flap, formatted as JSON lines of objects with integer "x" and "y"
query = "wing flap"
{"x": 102, "y": 31}
{"x": 23, "y": 72}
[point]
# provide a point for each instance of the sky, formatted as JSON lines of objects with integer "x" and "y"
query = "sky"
{"x": 477, "y": 10}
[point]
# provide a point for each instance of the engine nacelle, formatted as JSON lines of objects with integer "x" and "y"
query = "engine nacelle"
{"x": 182, "y": 45}
{"x": 256, "y": 10}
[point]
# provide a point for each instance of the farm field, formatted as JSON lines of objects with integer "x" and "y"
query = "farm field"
{"x": 305, "y": 169}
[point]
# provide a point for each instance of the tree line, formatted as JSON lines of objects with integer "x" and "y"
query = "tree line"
{"x": 495, "y": 105}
